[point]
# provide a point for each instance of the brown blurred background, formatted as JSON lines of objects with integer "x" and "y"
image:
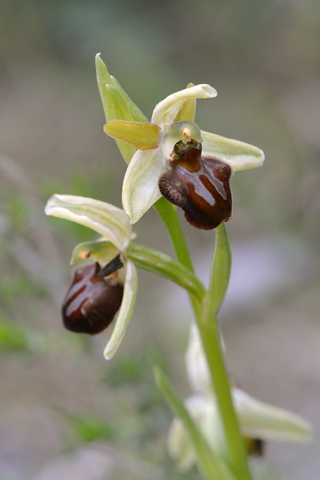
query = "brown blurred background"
{"x": 65, "y": 413}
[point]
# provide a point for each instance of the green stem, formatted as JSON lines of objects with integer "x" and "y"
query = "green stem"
{"x": 168, "y": 214}
{"x": 161, "y": 264}
{"x": 207, "y": 324}
{"x": 233, "y": 443}
{"x": 209, "y": 332}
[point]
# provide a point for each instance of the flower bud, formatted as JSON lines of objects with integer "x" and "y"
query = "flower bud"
{"x": 200, "y": 186}
{"x": 94, "y": 298}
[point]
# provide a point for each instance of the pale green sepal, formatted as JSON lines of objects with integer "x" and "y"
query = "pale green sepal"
{"x": 212, "y": 466}
{"x": 140, "y": 185}
{"x": 187, "y": 111}
{"x": 111, "y": 222}
{"x": 135, "y": 111}
{"x": 141, "y": 135}
{"x": 103, "y": 78}
{"x": 114, "y": 105}
{"x": 119, "y": 111}
{"x": 101, "y": 250}
{"x": 166, "y": 111}
{"x": 239, "y": 155}
{"x": 118, "y": 108}
{"x": 126, "y": 309}
{"x": 260, "y": 420}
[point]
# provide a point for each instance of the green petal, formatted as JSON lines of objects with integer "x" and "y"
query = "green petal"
{"x": 187, "y": 110}
{"x": 167, "y": 110}
{"x": 260, "y": 420}
{"x": 140, "y": 185}
{"x": 142, "y": 135}
{"x": 239, "y": 155}
{"x": 101, "y": 250}
{"x": 111, "y": 222}
{"x": 126, "y": 309}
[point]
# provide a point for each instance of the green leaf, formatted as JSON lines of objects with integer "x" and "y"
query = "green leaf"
{"x": 220, "y": 272}
{"x": 212, "y": 466}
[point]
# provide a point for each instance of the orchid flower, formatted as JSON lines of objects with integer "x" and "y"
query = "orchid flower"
{"x": 99, "y": 290}
{"x": 258, "y": 420}
{"x": 191, "y": 168}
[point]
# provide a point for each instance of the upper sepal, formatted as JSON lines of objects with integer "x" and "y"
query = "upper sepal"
{"x": 111, "y": 222}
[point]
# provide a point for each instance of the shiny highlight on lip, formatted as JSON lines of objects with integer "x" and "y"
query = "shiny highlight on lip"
{"x": 92, "y": 299}
{"x": 200, "y": 186}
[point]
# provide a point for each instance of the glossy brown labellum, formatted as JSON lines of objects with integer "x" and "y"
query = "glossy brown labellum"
{"x": 92, "y": 300}
{"x": 200, "y": 186}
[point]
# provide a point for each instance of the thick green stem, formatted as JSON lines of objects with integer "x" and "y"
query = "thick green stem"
{"x": 206, "y": 319}
{"x": 209, "y": 331}
{"x": 235, "y": 454}
{"x": 168, "y": 214}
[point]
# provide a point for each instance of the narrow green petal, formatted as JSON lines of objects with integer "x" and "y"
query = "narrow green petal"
{"x": 187, "y": 110}
{"x": 141, "y": 135}
{"x": 111, "y": 222}
{"x": 140, "y": 185}
{"x": 167, "y": 110}
{"x": 260, "y": 420}
{"x": 101, "y": 250}
{"x": 239, "y": 155}
{"x": 126, "y": 309}
{"x": 135, "y": 111}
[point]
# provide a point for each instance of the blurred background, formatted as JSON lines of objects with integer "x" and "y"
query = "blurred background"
{"x": 65, "y": 412}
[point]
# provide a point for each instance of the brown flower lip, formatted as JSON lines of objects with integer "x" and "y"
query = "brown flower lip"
{"x": 93, "y": 298}
{"x": 200, "y": 186}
